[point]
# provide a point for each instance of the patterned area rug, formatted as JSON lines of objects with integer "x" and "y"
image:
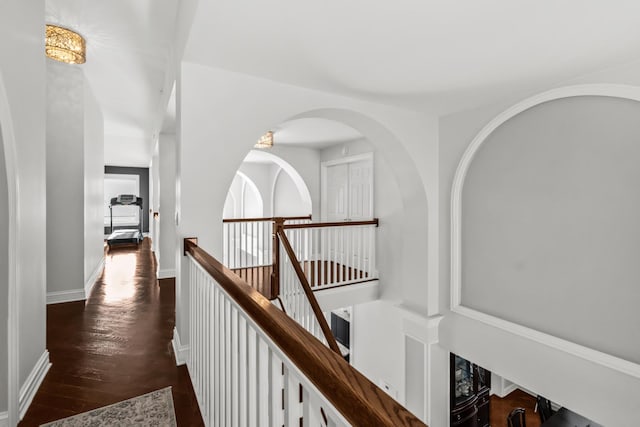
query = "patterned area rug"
{"x": 151, "y": 409}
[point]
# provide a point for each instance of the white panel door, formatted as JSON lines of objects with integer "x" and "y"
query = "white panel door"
{"x": 337, "y": 192}
{"x": 348, "y": 195}
{"x": 360, "y": 190}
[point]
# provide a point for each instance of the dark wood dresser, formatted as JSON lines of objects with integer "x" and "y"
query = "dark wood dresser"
{"x": 470, "y": 386}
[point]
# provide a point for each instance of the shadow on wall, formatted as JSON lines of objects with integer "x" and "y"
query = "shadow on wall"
{"x": 4, "y": 276}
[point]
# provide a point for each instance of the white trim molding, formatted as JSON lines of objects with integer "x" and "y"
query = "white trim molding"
{"x": 167, "y": 273}
{"x": 4, "y": 419}
{"x": 65, "y": 296}
{"x": 180, "y": 351}
{"x": 33, "y": 382}
{"x": 595, "y": 356}
{"x": 91, "y": 281}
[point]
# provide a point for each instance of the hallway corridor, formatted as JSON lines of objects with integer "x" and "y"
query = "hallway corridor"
{"x": 114, "y": 346}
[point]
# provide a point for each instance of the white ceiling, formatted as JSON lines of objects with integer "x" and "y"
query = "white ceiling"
{"x": 437, "y": 56}
{"x": 128, "y": 48}
{"x": 432, "y": 55}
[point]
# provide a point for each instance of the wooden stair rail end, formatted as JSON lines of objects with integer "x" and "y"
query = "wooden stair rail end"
{"x": 374, "y": 221}
{"x": 286, "y": 218}
{"x": 360, "y": 401}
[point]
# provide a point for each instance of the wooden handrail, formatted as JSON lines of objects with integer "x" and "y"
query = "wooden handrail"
{"x": 332, "y": 224}
{"x": 311, "y": 299}
{"x": 359, "y": 400}
{"x": 286, "y": 218}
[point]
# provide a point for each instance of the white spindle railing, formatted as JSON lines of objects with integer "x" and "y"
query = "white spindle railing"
{"x": 293, "y": 298}
{"x": 335, "y": 256}
{"x": 248, "y": 243}
{"x": 240, "y": 376}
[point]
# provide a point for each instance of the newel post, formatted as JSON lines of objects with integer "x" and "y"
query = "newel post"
{"x": 278, "y": 224}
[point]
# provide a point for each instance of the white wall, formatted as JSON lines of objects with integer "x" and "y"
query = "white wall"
{"x": 75, "y": 182}
{"x": 259, "y": 173}
{"x": 607, "y": 395}
{"x": 22, "y": 74}
{"x": 154, "y": 195}
{"x": 378, "y": 345}
{"x": 93, "y": 185}
{"x": 287, "y": 200}
{"x": 167, "y": 172}
{"x": 306, "y": 161}
{"x": 252, "y": 204}
{"x": 4, "y": 276}
{"x": 65, "y": 177}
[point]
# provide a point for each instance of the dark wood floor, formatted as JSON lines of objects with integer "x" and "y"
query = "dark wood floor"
{"x": 260, "y": 277}
{"x": 115, "y": 346}
{"x": 500, "y": 408}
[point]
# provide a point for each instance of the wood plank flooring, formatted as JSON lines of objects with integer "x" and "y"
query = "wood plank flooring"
{"x": 115, "y": 346}
{"x": 259, "y": 277}
{"x": 501, "y": 407}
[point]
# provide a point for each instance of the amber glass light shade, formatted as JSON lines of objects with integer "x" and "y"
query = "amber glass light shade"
{"x": 64, "y": 45}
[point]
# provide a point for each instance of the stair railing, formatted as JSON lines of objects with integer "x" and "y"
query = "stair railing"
{"x": 296, "y": 294}
{"x": 335, "y": 253}
{"x": 247, "y": 248}
{"x": 250, "y": 364}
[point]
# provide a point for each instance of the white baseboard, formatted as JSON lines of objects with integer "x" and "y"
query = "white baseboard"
{"x": 4, "y": 419}
{"x": 166, "y": 274}
{"x": 508, "y": 389}
{"x": 180, "y": 351}
{"x": 88, "y": 286}
{"x": 32, "y": 384}
{"x": 65, "y": 296}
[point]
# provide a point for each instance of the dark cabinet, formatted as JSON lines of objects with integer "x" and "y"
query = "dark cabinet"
{"x": 470, "y": 385}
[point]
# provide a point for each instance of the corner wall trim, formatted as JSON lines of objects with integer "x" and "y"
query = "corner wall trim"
{"x": 91, "y": 281}
{"x": 180, "y": 351}
{"x": 65, "y": 296}
{"x": 4, "y": 419}
{"x": 166, "y": 274}
{"x": 32, "y": 384}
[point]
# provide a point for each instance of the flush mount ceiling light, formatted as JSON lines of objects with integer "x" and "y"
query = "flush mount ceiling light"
{"x": 64, "y": 45}
{"x": 265, "y": 141}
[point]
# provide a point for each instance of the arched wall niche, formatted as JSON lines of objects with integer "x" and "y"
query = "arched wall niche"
{"x": 244, "y": 199}
{"x": 9, "y": 300}
{"x": 537, "y": 186}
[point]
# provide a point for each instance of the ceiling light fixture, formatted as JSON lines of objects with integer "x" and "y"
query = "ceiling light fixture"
{"x": 265, "y": 141}
{"x": 64, "y": 45}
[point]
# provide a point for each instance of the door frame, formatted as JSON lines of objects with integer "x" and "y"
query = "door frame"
{"x": 344, "y": 160}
